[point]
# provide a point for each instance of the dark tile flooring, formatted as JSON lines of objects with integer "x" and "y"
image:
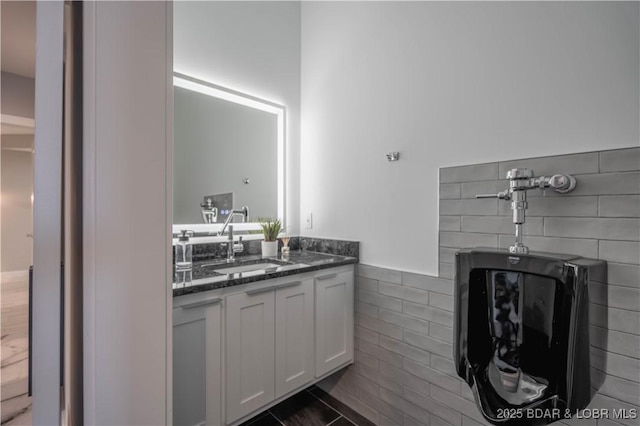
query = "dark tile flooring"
{"x": 310, "y": 407}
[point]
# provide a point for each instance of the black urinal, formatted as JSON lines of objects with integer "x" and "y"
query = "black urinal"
{"x": 522, "y": 333}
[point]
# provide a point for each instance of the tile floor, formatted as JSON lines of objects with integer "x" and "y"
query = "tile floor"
{"x": 16, "y": 405}
{"x": 310, "y": 407}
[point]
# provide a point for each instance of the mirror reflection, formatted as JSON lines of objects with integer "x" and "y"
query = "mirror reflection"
{"x": 228, "y": 153}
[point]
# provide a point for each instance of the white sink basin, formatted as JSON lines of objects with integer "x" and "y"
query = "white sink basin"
{"x": 247, "y": 268}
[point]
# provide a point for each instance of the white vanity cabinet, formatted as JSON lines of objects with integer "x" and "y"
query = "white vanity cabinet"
{"x": 294, "y": 337}
{"x": 238, "y": 350}
{"x": 250, "y": 350}
{"x": 197, "y": 344}
{"x": 334, "y": 320}
{"x": 269, "y": 343}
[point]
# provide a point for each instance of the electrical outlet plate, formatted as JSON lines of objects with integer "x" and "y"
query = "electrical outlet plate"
{"x": 309, "y": 223}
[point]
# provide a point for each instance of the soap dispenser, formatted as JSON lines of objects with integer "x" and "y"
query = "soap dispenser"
{"x": 184, "y": 251}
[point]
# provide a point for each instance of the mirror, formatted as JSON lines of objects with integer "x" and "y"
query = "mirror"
{"x": 228, "y": 153}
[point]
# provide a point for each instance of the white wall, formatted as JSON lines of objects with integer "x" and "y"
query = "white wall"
{"x": 18, "y": 95}
{"x": 127, "y": 213}
{"x": 253, "y": 47}
{"x": 18, "y": 98}
{"x": 448, "y": 84}
{"x": 17, "y": 210}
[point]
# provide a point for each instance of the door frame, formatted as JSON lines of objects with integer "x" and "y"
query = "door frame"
{"x": 47, "y": 214}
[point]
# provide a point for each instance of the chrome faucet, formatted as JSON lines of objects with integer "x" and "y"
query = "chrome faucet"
{"x": 232, "y": 247}
{"x": 521, "y": 180}
{"x": 243, "y": 211}
{"x": 209, "y": 211}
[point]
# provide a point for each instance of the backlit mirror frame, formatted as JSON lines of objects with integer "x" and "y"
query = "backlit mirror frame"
{"x": 211, "y": 89}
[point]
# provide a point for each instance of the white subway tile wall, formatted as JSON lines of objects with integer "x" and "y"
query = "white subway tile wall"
{"x": 404, "y": 373}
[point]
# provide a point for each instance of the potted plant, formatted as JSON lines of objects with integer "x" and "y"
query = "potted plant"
{"x": 270, "y": 229}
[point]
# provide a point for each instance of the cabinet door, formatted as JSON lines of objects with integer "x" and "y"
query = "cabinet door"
{"x": 334, "y": 321}
{"x": 294, "y": 335}
{"x": 197, "y": 364}
{"x": 250, "y": 381}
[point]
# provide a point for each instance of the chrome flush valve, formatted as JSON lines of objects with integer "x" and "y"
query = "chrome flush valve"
{"x": 520, "y": 180}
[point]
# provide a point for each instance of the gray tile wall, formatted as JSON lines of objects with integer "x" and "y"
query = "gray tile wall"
{"x": 403, "y": 372}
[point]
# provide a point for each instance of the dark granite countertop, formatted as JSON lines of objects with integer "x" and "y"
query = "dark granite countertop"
{"x": 205, "y": 277}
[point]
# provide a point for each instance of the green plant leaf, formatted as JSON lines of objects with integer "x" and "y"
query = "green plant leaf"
{"x": 270, "y": 228}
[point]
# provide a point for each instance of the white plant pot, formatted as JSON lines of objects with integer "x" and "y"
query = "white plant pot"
{"x": 269, "y": 248}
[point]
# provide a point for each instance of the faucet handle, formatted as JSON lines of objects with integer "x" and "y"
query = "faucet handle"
{"x": 504, "y": 195}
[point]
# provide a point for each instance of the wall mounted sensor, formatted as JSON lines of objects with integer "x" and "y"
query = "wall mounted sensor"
{"x": 393, "y": 156}
{"x": 520, "y": 180}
